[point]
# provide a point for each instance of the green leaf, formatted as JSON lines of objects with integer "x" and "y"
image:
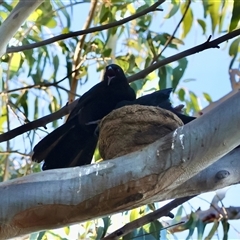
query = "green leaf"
{"x": 122, "y": 63}
{"x": 235, "y": 15}
{"x": 174, "y": 8}
{"x": 194, "y": 101}
{"x": 178, "y": 215}
{"x": 155, "y": 229}
{"x": 41, "y": 235}
{"x": 100, "y": 233}
{"x": 23, "y": 102}
{"x": 225, "y": 226}
{"x": 151, "y": 206}
{"x": 36, "y": 108}
{"x": 178, "y": 72}
{"x": 205, "y": 8}
{"x": 53, "y": 106}
{"x": 187, "y": 21}
{"x": 3, "y": 117}
{"x": 213, "y": 9}
{"x": 207, "y": 97}
{"x": 35, "y": 15}
{"x": 107, "y": 52}
{"x": 142, "y": 8}
{"x": 213, "y": 230}
{"x": 152, "y": 228}
{"x": 15, "y": 62}
{"x": 104, "y": 14}
{"x": 200, "y": 228}
{"x": 202, "y": 24}
{"x": 137, "y": 85}
{"x": 165, "y": 74}
{"x": 106, "y": 224}
{"x": 190, "y": 224}
{"x": 134, "y": 214}
{"x": 181, "y": 94}
{"x": 65, "y": 30}
{"x": 64, "y": 11}
{"x": 55, "y": 64}
{"x": 224, "y": 11}
{"x": 52, "y": 23}
{"x": 233, "y": 50}
{"x": 150, "y": 44}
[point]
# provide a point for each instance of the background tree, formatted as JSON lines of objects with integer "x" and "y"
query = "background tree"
{"x": 47, "y": 61}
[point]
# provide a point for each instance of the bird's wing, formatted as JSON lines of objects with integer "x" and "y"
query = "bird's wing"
{"x": 42, "y": 149}
{"x": 86, "y": 98}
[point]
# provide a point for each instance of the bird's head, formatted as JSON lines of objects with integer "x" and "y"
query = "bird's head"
{"x": 113, "y": 72}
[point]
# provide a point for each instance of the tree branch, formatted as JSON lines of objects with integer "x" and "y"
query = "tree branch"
{"x": 84, "y": 32}
{"x": 163, "y": 211}
{"x": 41, "y": 122}
{"x": 208, "y": 44}
{"x": 148, "y": 175}
{"x": 39, "y": 86}
{"x": 15, "y": 19}
{"x": 174, "y": 32}
{"x": 78, "y": 50}
{"x": 208, "y": 216}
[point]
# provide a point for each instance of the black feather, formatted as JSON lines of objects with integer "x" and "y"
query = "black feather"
{"x": 159, "y": 98}
{"x": 73, "y": 143}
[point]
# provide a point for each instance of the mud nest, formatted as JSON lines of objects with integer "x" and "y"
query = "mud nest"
{"x": 131, "y": 128}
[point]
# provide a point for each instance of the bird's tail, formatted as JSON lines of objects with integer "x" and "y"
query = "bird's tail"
{"x": 186, "y": 119}
{"x": 69, "y": 145}
{"x": 42, "y": 149}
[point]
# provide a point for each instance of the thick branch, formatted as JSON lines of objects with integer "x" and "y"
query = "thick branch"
{"x": 84, "y": 32}
{"x": 15, "y": 19}
{"x": 55, "y": 198}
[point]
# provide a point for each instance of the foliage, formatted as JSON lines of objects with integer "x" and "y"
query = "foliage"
{"x": 31, "y": 87}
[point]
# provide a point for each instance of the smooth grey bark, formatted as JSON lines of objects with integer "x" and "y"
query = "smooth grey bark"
{"x": 56, "y": 198}
{"x": 14, "y": 21}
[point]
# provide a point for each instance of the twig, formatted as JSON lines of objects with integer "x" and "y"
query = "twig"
{"x": 77, "y": 54}
{"x": 41, "y": 85}
{"x": 6, "y": 160}
{"x": 51, "y": 117}
{"x": 17, "y": 152}
{"x": 84, "y": 32}
{"x": 38, "y": 123}
{"x": 208, "y": 44}
{"x": 163, "y": 211}
{"x": 174, "y": 32}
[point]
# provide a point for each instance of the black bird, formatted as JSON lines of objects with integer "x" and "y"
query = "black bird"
{"x": 159, "y": 98}
{"x": 73, "y": 143}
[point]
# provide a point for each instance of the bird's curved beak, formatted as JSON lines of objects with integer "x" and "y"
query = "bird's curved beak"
{"x": 111, "y": 74}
